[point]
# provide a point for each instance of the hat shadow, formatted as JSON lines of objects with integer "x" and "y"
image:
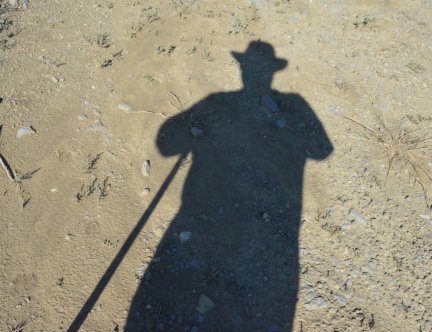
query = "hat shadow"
{"x": 260, "y": 53}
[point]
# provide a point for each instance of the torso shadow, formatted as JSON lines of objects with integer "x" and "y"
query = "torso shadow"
{"x": 242, "y": 203}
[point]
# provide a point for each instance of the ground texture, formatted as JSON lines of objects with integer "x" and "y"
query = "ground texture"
{"x": 87, "y": 89}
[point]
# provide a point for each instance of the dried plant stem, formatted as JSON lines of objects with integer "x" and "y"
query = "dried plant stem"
{"x": 7, "y": 168}
{"x": 400, "y": 147}
{"x": 360, "y": 124}
{"x": 150, "y": 112}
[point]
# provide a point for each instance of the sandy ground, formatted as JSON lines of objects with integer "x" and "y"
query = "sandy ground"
{"x": 364, "y": 235}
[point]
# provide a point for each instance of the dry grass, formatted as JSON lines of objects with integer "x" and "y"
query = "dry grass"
{"x": 404, "y": 149}
{"x": 19, "y": 327}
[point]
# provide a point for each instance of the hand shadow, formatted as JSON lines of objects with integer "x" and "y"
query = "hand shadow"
{"x": 241, "y": 208}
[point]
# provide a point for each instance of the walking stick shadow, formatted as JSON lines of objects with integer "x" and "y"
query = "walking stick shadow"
{"x": 229, "y": 260}
{"x": 104, "y": 280}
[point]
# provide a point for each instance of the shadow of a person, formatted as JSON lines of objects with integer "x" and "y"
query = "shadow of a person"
{"x": 229, "y": 260}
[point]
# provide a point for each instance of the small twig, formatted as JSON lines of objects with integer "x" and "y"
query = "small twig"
{"x": 177, "y": 99}
{"x": 360, "y": 124}
{"x": 150, "y": 112}
{"x": 7, "y": 168}
{"x": 20, "y": 326}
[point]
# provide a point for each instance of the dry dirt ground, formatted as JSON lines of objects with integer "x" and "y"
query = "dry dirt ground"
{"x": 78, "y": 188}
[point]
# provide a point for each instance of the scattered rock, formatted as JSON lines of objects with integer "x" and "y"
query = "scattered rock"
{"x": 280, "y": 123}
{"x": 145, "y": 192}
{"x": 146, "y": 168}
{"x": 13, "y": 3}
{"x": 269, "y": 104}
{"x": 185, "y": 236}
{"x": 141, "y": 271}
{"x": 57, "y": 79}
{"x": 342, "y": 300}
{"x": 25, "y": 131}
{"x": 82, "y": 117}
{"x": 357, "y": 217}
{"x": 316, "y": 303}
{"x": 97, "y": 125}
{"x": 205, "y": 304}
{"x": 124, "y": 107}
{"x": 356, "y": 220}
{"x": 196, "y": 132}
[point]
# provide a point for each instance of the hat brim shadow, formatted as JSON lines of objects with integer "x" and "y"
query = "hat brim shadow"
{"x": 242, "y": 58}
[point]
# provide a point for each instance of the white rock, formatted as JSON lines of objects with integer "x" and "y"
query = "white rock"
{"x": 145, "y": 192}
{"x": 82, "y": 117}
{"x": 57, "y": 79}
{"x": 124, "y": 107}
{"x": 196, "y": 132}
{"x": 316, "y": 303}
{"x": 97, "y": 125}
{"x": 25, "y": 131}
{"x": 146, "y": 168}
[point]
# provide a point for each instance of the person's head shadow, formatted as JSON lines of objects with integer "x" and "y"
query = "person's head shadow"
{"x": 259, "y": 61}
{"x": 229, "y": 258}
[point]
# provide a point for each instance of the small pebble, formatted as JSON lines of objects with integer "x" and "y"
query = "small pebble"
{"x": 205, "y": 304}
{"x": 96, "y": 126}
{"x": 357, "y": 217}
{"x": 124, "y": 107}
{"x": 280, "y": 123}
{"x": 316, "y": 303}
{"x": 146, "y": 168}
{"x": 57, "y": 79}
{"x": 185, "y": 236}
{"x": 196, "y": 132}
{"x": 82, "y": 117}
{"x": 25, "y": 131}
{"x": 342, "y": 300}
{"x": 145, "y": 192}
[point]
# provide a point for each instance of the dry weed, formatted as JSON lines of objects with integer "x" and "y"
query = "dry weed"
{"x": 404, "y": 148}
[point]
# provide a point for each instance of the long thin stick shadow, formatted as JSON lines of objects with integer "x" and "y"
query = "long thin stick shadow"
{"x": 103, "y": 282}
